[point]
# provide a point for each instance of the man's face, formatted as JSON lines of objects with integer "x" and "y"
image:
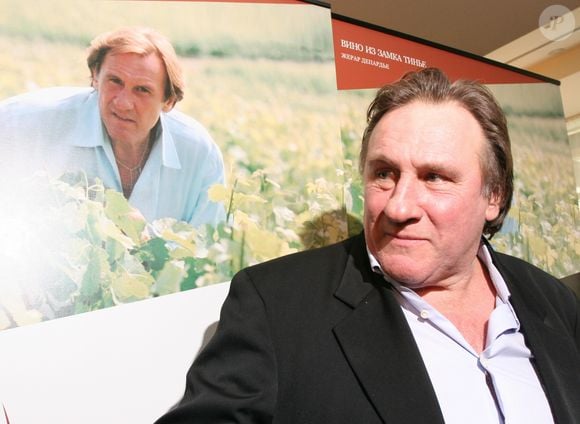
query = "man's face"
{"x": 424, "y": 207}
{"x": 131, "y": 95}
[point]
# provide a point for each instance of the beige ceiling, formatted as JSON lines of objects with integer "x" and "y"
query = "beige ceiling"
{"x": 503, "y": 30}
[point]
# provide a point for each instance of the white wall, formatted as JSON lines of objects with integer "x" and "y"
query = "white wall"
{"x": 125, "y": 364}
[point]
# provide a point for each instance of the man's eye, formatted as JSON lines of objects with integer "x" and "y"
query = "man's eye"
{"x": 433, "y": 177}
{"x": 116, "y": 81}
{"x": 143, "y": 90}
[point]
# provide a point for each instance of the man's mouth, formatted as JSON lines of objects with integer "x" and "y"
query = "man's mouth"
{"x": 404, "y": 238}
{"x": 122, "y": 118}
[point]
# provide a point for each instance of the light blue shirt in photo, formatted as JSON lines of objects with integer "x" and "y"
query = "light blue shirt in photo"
{"x": 60, "y": 130}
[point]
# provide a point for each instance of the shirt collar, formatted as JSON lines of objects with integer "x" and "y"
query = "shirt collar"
{"x": 483, "y": 254}
{"x": 89, "y": 131}
{"x": 500, "y": 285}
{"x": 169, "y": 154}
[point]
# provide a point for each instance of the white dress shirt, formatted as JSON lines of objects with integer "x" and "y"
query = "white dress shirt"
{"x": 499, "y": 385}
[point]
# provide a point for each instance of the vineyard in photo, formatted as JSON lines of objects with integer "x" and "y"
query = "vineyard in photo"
{"x": 260, "y": 78}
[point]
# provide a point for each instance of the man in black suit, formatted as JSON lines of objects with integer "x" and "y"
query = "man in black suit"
{"x": 417, "y": 320}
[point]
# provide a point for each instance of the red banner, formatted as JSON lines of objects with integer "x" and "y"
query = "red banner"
{"x": 367, "y": 58}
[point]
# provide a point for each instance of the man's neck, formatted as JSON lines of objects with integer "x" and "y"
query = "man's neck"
{"x": 130, "y": 154}
{"x": 131, "y": 158}
{"x": 467, "y": 304}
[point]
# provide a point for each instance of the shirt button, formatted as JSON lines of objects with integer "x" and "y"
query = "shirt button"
{"x": 424, "y": 314}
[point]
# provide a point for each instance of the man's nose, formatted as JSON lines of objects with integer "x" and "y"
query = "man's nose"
{"x": 403, "y": 204}
{"x": 124, "y": 100}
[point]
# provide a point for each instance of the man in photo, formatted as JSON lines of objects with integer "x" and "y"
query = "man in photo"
{"x": 122, "y": 130}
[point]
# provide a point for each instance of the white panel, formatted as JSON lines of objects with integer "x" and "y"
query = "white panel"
{"x": 122, "y": 365}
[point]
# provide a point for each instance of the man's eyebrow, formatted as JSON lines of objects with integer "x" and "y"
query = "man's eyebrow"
{"x": 148, "y": 87}
{"x": 111, "y": 74}
{"x": 380, "y": 160}
{"x": 434, "y": 166}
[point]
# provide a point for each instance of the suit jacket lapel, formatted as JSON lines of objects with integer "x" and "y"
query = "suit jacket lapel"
{"x": 555, "y": 354}
{"x": 377, "y": 342}
{"x": 556, "y": 363}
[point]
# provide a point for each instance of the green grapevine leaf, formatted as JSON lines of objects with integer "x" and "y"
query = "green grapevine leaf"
{"x": 127, "y": 218}
{"x": 169, "y": 279}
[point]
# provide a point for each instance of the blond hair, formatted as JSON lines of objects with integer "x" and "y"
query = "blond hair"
{"x": 142, "y": 41}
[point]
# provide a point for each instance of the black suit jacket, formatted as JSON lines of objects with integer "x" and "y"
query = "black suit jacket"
{"x": 317, "y": 337}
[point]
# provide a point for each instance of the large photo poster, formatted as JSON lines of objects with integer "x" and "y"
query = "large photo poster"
{"x": 542, "y": 226}
{"x": 123, "y": 292}
{"x": 84, "y": 229}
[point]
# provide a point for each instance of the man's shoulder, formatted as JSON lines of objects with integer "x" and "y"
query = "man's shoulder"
{"x": 532, "y": 280}
{"x": 49, "y": 98}
{"x": 301, "y": 282}
{"x": 520, "y": 267}
{"x": 185, "y": 128}
{"x": 48, "y": 116}
{"x": 323, "y": 263}
{"x": 190, "y": 138}
{"x": 45, "y": 109}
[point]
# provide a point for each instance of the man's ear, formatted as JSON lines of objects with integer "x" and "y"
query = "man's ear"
{"x": 168, "y": 104}
{"x": 493, "y": 207}
{"x": 94, "y": 80}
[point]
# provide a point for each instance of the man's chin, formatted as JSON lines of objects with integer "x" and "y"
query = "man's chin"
{"x": 121, "y": 136}
{"x": 403, "y": 270}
